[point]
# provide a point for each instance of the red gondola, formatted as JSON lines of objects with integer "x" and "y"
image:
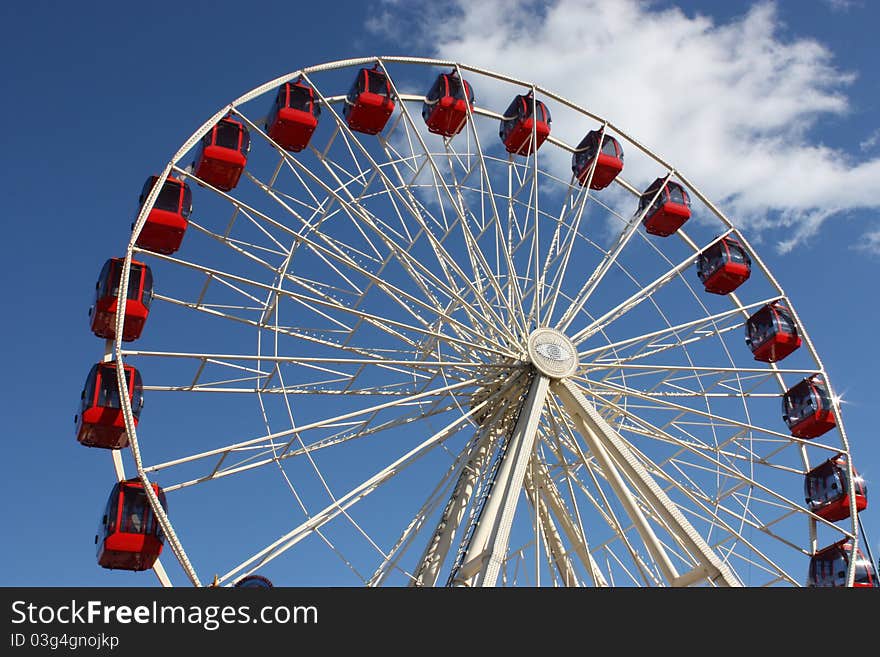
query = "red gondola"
{"x": 608, "y": 165}
{"x": 668, "y": 212}
{"x": 223, "y": 154}
{"x": 828, "y": 567}
{"x": 771, "y": 333}
{"x": 294, "y": 116}
{"x": 253, "y": 582}
{"x": 826, "y": 493}
{"x": 129, "y": 536}
{"x": 369, "y": 105}
{"x": 724, "y": 266}
{"x": 524, "y": 116}
{"x": 168, "y": 219}
{"x": 137, "y": 306}
{"x": 100, "y": 422}
{"x": 446, "y": 105}
{"x": 807, "y": 408}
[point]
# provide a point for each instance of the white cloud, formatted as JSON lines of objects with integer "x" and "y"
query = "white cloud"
{"x": 842, "y": 5}
{"x": 732, "y": 105}
{"x": 871, "y": 141}
{"x": 870, "y": 242}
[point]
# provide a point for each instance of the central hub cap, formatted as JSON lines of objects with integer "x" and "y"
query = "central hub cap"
{"x": 552, "y": 353}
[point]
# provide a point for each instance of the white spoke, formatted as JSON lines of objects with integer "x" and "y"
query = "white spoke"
{"x": 596, "y": 278}
{"x": 352, "y": 497}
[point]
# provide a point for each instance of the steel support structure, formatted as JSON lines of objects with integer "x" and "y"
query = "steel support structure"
{"x": 624, "y": 470}
{"x": 488, "y": 547}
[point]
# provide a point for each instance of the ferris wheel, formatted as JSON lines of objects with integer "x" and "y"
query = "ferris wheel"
{"x": 389, "y": 322}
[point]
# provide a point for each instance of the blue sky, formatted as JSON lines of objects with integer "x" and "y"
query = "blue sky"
{"x": 100, "y": 96}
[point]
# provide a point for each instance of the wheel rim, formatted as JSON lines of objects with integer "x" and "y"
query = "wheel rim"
{"x": 398, "y": 274}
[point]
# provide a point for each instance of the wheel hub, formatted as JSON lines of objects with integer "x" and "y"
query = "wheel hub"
{"x": 552, "y": 353}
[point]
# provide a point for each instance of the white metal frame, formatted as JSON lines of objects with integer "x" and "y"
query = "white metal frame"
{"x": 462, "y": 323}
